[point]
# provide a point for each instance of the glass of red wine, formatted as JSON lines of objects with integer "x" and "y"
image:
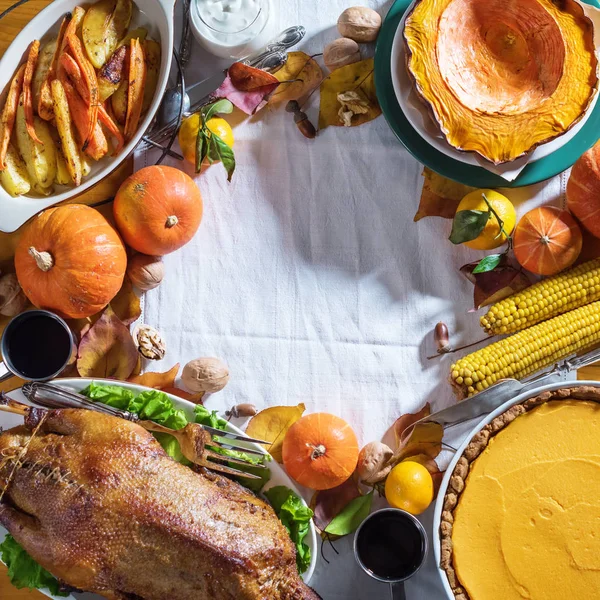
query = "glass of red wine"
{"x": 36, "y": 345}
{"x": 391, "y": 545}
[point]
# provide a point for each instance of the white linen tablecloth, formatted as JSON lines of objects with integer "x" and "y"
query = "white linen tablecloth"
{"x": 309, "y": 277}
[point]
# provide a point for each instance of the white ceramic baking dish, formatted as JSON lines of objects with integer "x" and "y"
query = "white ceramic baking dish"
{"x": 154, "y": 15}
{"x": 436, "y": 543}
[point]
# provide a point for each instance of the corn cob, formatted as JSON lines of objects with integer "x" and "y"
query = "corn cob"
{"x": 546, "y": 299}
{"x": 528, "y": 351}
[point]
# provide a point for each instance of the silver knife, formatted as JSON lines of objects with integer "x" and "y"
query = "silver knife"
{"x": 496, "y": 395}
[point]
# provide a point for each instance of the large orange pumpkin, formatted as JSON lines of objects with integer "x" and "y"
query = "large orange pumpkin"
{"x": 547, "y": 240}
{"x": 583, "y": 190}
{"x": 320, "y": 451}
{"x": 70, "y": 260}
{"x": 158, "y": 210}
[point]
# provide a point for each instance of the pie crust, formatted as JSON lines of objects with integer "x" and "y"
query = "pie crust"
{"x": 476, "y": 446}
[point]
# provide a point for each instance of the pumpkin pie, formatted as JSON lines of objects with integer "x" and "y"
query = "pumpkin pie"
{"x": 521, "y": 516}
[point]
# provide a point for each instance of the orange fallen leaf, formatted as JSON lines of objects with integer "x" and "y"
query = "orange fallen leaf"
{"x": 425, "y": 438}
{"x": 156, "y": 380}
{"x": 405, "y": 421}
{"x": 328, "y": 504}
{"x": 440, "y": 197}
{"x": 272, "y": 424}
{"x": 300, "y": 75}
{"x": 430, "y": 464}
{"x": 126, "y": 303}
{"x": 107, "y": 349}
{"x": 247, "y": 79}
{"x": 195, "y": 398}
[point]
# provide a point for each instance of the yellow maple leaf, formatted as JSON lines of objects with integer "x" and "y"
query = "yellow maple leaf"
{"x": 357, "y": 77}
{"x": 300, "y": 75}
{"x": 272, "y": 424}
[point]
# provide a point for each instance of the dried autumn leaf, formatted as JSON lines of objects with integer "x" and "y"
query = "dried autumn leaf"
{"x": 107, "y": 349}
{"x": 405, "y": 421}
{"x": 300, "y": 75}
{"x": 492, "y": 286}
{"x": 430, "y": 464}
{"x": 126, "y": 303}
{"x": 81, "y": 326}
{"x": 440, "y": 197}
{"x": 195, "y": 398}
{"x": 156, "y": 380}
{"x": 327, "y": 504}
{"x": 248, "y": 102}
{"x": 247, "y": 79}
{"x": 272, "y": 424}
{"x": 357, "y": 77}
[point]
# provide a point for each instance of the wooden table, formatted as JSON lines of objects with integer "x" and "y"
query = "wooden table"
{"x": 9, "y": 28}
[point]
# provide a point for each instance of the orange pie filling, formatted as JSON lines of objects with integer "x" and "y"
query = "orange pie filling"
{"x": 528, "y": 522}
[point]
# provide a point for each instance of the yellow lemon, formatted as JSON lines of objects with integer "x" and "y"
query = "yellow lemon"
{"x": 188, "y": 133}
{"x": 491, "y": 236}
{"x": 409, "y": 486}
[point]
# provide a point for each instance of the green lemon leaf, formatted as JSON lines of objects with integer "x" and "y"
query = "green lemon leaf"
{"x": 201, "y": 148}
{"x": 489, "y": 263}
{"x": 351, "y": 516}
{"x": 222, "y": 107}
{"x": 468, "y": 224}
{"x": 226, "y": 156}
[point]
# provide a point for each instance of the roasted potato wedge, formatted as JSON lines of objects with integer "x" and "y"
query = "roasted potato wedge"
{"x": 104, "y": 24}
{"x": 42, "y": 69}
{"x": 40, "y": 159}
{"x": 65, "y": 131}
{"x": 42, "y": 191}
{"x": 14, "y": 178}
{"x": 112, "y": 73}
{"x": 139, "y": 32}
{"x": 86, "y": 167}
{"x": 135, "y": 89}
{"x": 118, "y": 102}
{"x": 62, "y": 172}
{"x": 152, "y": 58}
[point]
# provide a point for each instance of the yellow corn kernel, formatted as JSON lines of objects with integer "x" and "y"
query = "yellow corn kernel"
{"x": 548, "y": 298}
{"x": 530, "y": 350}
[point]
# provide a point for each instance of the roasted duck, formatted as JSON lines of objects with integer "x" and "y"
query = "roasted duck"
{"x": 97, "y": 502}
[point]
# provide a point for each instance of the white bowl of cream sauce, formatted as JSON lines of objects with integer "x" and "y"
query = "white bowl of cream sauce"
{"x": 233, "y": 28}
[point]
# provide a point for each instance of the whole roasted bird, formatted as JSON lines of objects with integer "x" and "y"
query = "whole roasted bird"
{"x": 97, "y": 502}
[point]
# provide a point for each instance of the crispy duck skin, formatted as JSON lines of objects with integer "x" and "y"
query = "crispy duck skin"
{"x": 98, "y": 503}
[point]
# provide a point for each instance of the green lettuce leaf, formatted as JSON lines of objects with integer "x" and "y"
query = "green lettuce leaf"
{"x": 112, "y": 395}
{"x": 295, "y": 516}
{"x": 24, "y": 572}
{"x": 203, "y": 416}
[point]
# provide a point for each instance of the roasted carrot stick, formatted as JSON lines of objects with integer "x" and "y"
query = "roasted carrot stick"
{"x": 71, "y": 68}
{"x": 27, "y": 96}
{"x": 97, "y": 146}
{"x": 45, "y": 104}
{"x": 9, "y": 112}
{"x": 135, "y": 91}
{"x": 91, "y": 83}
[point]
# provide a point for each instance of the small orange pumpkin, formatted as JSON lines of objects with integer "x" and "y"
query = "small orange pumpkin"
{"x": 70, "y": 260}
{"x": 547, "y": 240}
{"x": 157, "y": 210}
{"x": 320, "y": 451}
{"x": 583, "y": 190}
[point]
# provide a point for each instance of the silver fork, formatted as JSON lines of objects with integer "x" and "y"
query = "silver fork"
{"x": 200, "y": 444}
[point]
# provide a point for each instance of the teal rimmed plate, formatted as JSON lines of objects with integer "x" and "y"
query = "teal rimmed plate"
{"x": 537, "y": 171}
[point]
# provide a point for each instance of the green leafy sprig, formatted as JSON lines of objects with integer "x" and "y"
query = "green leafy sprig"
{"x": 468, "y": 225}
{"x": 208, "y": 144}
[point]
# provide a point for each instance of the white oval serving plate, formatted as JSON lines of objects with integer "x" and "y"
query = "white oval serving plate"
{"x": 437, "y": 514}
{"x": 154, "y": 15}
{"x": 278, "y": 475}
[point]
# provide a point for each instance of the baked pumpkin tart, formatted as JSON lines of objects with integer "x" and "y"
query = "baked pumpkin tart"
{"x": 521, "y": 516}
{"x": 501, "y": 77}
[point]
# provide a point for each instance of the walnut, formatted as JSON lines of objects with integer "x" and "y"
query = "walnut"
{"x": 146, "y": 272}
{"x": 359, "y": 23}
{"x": 373, "y": 461}
{"x": 341, "y": 52}
{"x": 205, "y": 375}
{"x": 352, "y": 104}
{"x": 149, "y": 342}
{"x": 12, "y": 298}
